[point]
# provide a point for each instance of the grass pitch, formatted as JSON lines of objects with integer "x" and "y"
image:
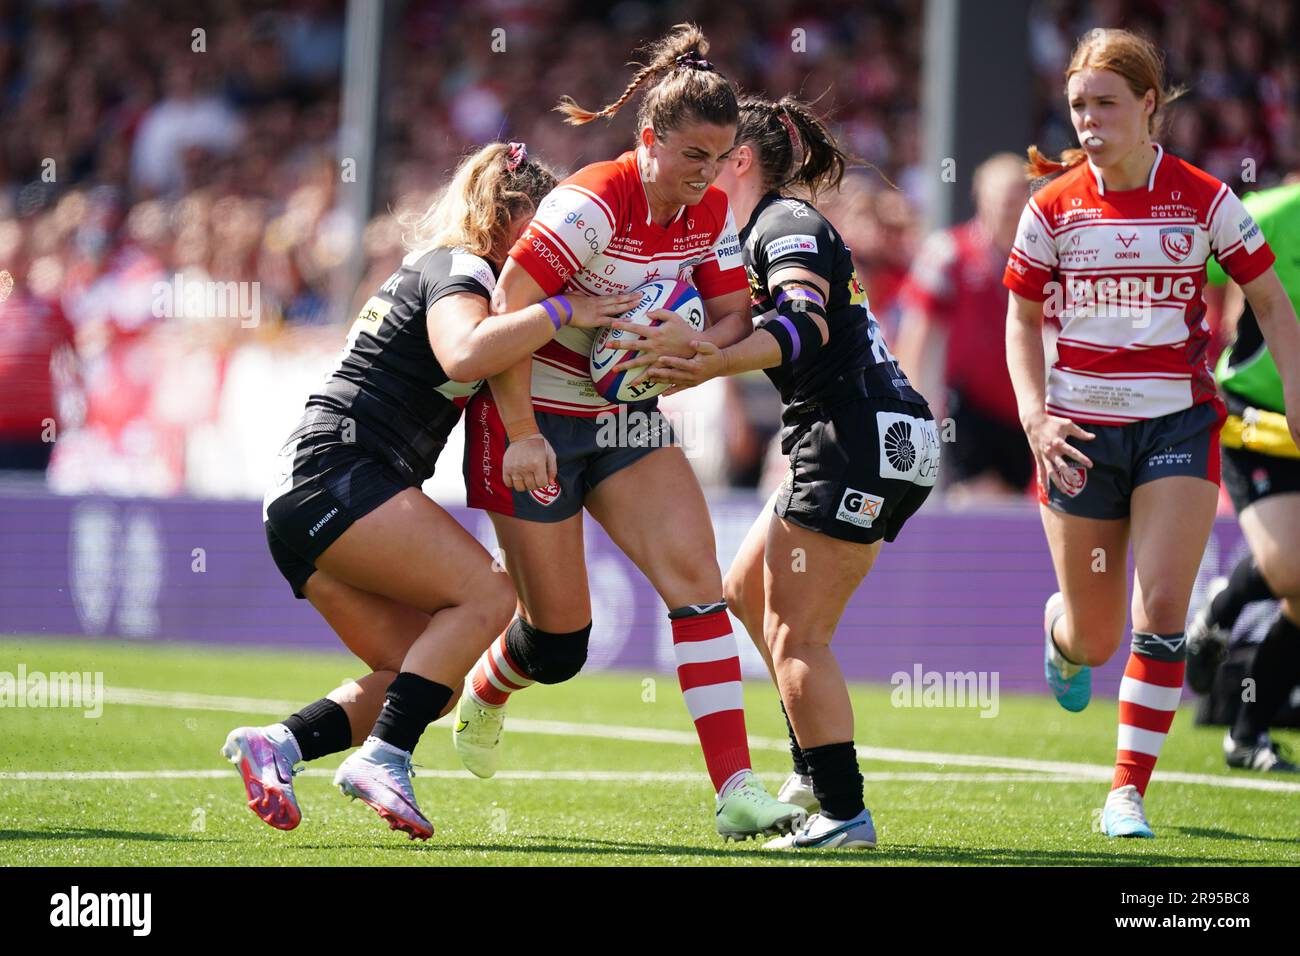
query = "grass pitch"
{"x": 144, "y": 784}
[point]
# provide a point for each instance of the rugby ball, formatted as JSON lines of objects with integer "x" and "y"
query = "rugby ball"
{"x": 670, "y": 294}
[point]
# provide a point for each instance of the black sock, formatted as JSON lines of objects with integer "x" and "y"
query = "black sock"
{"x": 836, "y": 780}
{"x": 1275, "y": 670}
{"x": 1245, "y": 585}
{"x": 796, "y": 753}
{"x": 321, "y": 728}
{"x": 411, "y": 704}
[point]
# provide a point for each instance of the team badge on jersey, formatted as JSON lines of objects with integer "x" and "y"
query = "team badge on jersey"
{"x": 546, "y": 495}
{"x": 859, "y": 508}
{"x": 1176, "y": 242}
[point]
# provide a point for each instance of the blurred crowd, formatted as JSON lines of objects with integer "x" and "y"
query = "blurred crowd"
{"x": 195, "y": 144}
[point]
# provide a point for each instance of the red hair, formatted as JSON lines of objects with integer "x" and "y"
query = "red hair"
{"x": 1134, "y": 58}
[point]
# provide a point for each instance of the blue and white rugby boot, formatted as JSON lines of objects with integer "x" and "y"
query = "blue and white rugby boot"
{"x": 1124, "y": 815}
{"x": 1070, "y": 682}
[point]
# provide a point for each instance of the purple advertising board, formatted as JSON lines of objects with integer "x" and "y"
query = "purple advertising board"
{"x": 959, "y": 591}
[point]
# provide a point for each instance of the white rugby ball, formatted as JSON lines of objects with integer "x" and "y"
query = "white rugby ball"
{"x": 670, "y": 294}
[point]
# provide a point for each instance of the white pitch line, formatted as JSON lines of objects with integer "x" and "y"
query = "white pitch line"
{"x": 577, "y": 776}
{"x": 1087, "y": 771}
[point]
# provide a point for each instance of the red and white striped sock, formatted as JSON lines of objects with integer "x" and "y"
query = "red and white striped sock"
{"x": 495, "y": 677}
{"x": 1148, "y": 700}
{"x": 708, "y": 669}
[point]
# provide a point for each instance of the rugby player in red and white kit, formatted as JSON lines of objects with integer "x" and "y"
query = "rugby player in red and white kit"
{"x": 1124, "y": 426}
{"x": 539, "y": 449}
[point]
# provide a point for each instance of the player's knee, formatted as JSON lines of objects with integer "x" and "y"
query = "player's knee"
{"x": 1164, "y": 608}
{"x": 733, "y": 592}
{"x": 547, "y": 657}
{"x": 691, "y": 581}
{"x": 786, "y": 641}
{"x": 498, "y": 602}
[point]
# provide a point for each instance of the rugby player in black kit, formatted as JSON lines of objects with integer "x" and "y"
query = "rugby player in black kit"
{"x": 408, "y": 590}
{"x": 863, "y": 447}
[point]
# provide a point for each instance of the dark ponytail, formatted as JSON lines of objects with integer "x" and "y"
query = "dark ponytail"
{"x": 794, "y": 147}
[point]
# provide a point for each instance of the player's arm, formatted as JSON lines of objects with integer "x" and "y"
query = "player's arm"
{"x": 797, "y": 331}
{"x": 1277, "y": 321}
{"x": 1025, "y": 361}
{"x": 723, "y": 288}
{"x": 1047, "y": 433}
{"x": 533, "y": 464}
{"x": 727, "y": 321}
{"x": 471, "y": 343}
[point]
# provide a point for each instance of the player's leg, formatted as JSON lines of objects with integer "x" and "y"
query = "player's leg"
{"x": 744, "y": 592}
{"x": 540, "y": 537}
{"x": 379, "y": 631}
{"x": 804, "y": 601}
{"x": 546, "y": 642}
{"x": 1171, "y": 520}
{"x": 1272, "y": 528}
{"x": 1084, "y": 621}
{"x": 410, "y": 550}
{"x": 669, "y": 536}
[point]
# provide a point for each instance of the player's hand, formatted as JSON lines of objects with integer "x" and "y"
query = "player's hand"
{"x": 528, "y": 464}
{"x": 707, "y": 362}
{"x": 672, "y": 336}
{"x": 1054, "y": 455}
{"x": 594, "y": 311}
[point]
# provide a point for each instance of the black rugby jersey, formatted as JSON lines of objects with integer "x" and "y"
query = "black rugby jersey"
{"x": 789, "y": 232}
{"x": 388, "y": 381}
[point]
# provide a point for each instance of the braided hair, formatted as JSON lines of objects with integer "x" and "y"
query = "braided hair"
{"x": 686, "y": 87}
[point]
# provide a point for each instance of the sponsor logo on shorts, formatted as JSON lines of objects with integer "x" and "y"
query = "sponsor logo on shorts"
{"x": 323, "y": 521}
{"x": 859, "y": 508}
{"x": 485, "y": 442}
{"x": 546, "y": 496}
{"x": 1075, "y": 477}
{"x": 1261, "y": 480}
{"x": 1170, "y": 459}
{"x": 909, "y": 448}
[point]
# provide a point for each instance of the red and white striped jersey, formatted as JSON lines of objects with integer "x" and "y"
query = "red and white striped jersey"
{"x": 593, "y": 235}
{"x": 1124, "y": 272}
